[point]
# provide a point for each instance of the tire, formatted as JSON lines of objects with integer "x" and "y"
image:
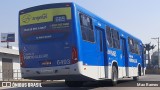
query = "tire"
{"x": 139, "y": 74}
{"x": 106, "y": 83}
{"x": 114, "y": 76}
{"x": 136, "y": 78}
{"x": 74, "y": 83}
{"x": 139, "y": 71}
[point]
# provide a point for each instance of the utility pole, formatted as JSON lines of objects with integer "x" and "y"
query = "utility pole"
{"x": 157, "y": 38}
{"x": 158, "y": 54}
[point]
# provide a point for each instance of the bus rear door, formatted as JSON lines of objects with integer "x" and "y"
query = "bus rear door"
{"x": 124, "y": 55}
{"x": 101, "y": 44}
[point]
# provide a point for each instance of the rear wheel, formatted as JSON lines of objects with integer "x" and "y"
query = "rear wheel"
{"x": 139, "y": 71}
{"x": 136, "y": 78}
{"x": 114, "y": 76}
{"x": 139, "y": 74}
{"x": 74, "y": 83}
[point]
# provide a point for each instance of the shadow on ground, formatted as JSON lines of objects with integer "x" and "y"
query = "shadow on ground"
{"x": 121, "y": 83}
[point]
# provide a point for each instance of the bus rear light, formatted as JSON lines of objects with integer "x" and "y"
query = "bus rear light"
{"x": 22, "y": 60}
{"x": 74, "y": 56}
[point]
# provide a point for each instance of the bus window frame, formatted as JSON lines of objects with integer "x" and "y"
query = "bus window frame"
{"x": 135, "y": 45}
{"x": 108, "y": 28}
{"x": 108, "y": 31}
{"x": 93, "y": 29}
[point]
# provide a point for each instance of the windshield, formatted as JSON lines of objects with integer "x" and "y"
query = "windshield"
{"x": 47, "y": 24}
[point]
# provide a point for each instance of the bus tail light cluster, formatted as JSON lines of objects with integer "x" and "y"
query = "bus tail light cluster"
{"x": 74, "y": 55}
{"x": 22, "y": 59}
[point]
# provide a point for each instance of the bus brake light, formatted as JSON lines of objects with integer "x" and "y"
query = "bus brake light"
{"x": 74, "y": 55}
{"x": 22, "y": 60}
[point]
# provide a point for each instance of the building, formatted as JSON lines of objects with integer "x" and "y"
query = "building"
{"x": 9, "y": 64}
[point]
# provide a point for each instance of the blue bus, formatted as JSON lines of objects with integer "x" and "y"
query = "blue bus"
{"x": 66, "y": 41}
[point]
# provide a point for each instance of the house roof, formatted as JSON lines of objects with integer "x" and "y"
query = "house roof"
{"x": 9, "y": 51}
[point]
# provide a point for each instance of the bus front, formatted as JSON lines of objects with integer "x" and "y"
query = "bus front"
{"x": 46, "y": 44}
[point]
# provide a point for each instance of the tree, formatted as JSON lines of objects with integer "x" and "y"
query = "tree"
{"x": 149, "y": 47}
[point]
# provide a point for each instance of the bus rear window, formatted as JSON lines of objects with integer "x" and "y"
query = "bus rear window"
{"x": 47, "y": 24}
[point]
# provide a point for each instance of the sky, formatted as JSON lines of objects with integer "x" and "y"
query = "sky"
{"x": 141, "y": 18}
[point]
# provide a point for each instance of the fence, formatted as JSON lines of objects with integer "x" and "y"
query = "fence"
{"x": 153, "y": 71}
{"x": 8, "y": 75}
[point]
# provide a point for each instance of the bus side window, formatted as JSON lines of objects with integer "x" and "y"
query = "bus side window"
{"x": 136, "y": 47}
{"x": 109, "y": 36}
{"x": 86, "y": 28}
{"x": 131, "y": 44}
{"x": 116, "y": 40}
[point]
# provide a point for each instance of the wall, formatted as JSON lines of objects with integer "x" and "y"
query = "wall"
{"x": 16, "y": 65}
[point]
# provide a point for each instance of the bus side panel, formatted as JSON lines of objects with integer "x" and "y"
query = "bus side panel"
{"x": 134, "y": 60}
{"x": 87, "y": 51}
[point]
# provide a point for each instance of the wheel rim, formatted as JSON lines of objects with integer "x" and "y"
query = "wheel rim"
{"x": 114, "y": 76}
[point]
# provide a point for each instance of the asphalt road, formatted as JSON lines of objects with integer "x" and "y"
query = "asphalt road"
{"x": 124, "y": 84}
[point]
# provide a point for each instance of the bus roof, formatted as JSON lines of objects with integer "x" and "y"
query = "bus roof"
{"x": 47, "y": 6}
{"x": 106, "y": 22}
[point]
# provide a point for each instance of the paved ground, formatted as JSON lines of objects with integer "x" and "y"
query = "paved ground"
{"x": 122, "y": 85}
{"x": 101, "y": 88}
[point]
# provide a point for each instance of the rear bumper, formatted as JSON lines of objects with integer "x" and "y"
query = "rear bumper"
{"x": 60, "y": 77}
{"x": 77, "y": 72}
{"x": 52, "y": 73}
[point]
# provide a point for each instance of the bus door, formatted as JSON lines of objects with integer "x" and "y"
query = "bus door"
{"x": 124, "y": 56}
{"x": 101, "y": 44}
